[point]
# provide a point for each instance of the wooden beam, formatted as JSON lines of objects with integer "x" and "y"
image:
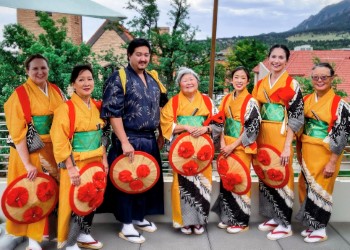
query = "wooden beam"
{"x": 213, "y": 45}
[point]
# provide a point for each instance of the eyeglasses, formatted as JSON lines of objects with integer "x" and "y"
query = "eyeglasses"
{"x": 323, "y": 78}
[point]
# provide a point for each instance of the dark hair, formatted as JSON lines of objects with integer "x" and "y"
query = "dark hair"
{"x": 281, "y": 46}
{"x": 324, "y": 65}
{"x": 137, "y": 42}
{"x": 78, "y": 69}
{"x": 32, "y": 57}
{"x": 241, "y": 68}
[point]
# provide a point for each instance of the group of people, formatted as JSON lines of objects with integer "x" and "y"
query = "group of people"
{"x": 249, "y": 129}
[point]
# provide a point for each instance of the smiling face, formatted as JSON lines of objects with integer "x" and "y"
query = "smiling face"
{"x": 140, "y": 58}
{"x": 240, "y": 81}
{"x": 84, "y": 84}
{"x": 38, "y": 71}
{"x": 188, "y": 84}
{"x": 321, "y": 86}
{"x": 277, "y": 60}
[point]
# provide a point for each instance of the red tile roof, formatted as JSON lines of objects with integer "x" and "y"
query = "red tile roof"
{"x": 301, "y": 62}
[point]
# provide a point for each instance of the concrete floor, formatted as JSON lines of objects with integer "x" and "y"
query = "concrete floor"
{"x": 214, "y": 238}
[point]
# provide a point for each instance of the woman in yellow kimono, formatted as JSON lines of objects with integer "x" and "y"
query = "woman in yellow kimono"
{"x": 74, "y": 230}
{"x": 190, "y": 194}
{"x": 242, "y": 125}
{"x": 44, "y": 98}
{"x": 319, "y": 150}
{"x": 282, "y": 115}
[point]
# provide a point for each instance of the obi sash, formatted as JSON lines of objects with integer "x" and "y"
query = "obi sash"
{"x": 315, "y": 128}
{"x": 272, "y": 112}
{"x": 232, "y": 127}
{"x": 86, "y": 140}
{"x": 191, "y": 120}
{"x": 42, "y": 123}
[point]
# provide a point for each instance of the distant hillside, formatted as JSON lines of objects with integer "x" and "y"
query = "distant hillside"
{"x": 335, "y": 16}
{"x": 329, "y": 29}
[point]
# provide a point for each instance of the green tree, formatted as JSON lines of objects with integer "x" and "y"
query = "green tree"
{"x": 62, "y": 54}
{"x": 247, "y": 53}
{"x": 175, "y": 48}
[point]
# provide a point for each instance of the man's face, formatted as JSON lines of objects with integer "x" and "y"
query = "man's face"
{"x": 140, "y": 58}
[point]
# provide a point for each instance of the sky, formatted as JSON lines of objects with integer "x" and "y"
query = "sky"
{"x": 235, "y": 17}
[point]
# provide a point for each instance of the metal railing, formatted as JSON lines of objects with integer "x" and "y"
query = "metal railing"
{"x": 4, "y": 155}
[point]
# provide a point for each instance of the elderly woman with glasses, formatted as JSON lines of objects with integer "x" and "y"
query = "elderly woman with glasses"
{"x": 319, "y": 152}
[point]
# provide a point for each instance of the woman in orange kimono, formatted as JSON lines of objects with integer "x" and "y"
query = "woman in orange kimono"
{"x": 242, "y": 125}
{"x": 190, "y": 194}
{"x": 73, "y": 154}
{"x": 44, "y": 98}
{"x": 282, "y": 116}
{"x": 319, "y": 150}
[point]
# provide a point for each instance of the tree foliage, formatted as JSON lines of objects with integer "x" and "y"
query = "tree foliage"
{"x": 61, "y": 52}
{"x": 247, "y": 53}
{"x": 175, "y": 48}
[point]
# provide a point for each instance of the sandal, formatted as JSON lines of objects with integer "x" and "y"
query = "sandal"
{"x": 267, "y": 226}
{"x": 198, "y": 229}
{"x": 276, "y": 235}
{"x": 149, "y": 227}
{"x": 134, "y": 238}
{"x": 315, "y": 238}
{"x": 306, "y": 232}
{"x": 222, "y": 225}
{"x": 186, "y": 230}
{"x": 236, "y": 229}
{"x": 90, "y": 245}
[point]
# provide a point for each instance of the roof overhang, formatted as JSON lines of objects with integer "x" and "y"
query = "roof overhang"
{"x": 73, "y": 7}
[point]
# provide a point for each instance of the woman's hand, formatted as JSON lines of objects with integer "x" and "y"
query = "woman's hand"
{"x": 227, "y": 150}
{"x": 32, "y": 171}
{"x": 329, "y": 169}
{"x": 105, "y": 163}
{"x": 73, "y": 173}
{"x": 197, "y": 131}
{"x": 128, "y": 150}
{"x": 285, "y": 155}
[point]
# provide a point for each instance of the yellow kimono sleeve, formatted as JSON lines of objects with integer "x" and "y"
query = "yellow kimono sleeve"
{"x": 167, "y": 119}
{"x": 59, "y": 133}
{"x": 15, "y": 120}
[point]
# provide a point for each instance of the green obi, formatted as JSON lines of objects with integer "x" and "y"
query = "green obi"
{"x": 272, "y": 112}
{"x": 42, "y": 123}
{"x": 86, "y": 141}
{"x": 315, "y": 128}
{"x": 191, "y": 120}
{"x": 232, "y": 127}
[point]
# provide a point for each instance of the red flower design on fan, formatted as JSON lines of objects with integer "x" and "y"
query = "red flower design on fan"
{"x": 97, "y": 200}
{"x": 186, "y": 149}
{"x": 230, "y": 180}
{"x": 136, "y": 185}
{"x": 190, "y": 168}
{"x": 274, "y": 174}
{"x": 125, "y": 176}
{"x": 99, "y": 180}
{"x": 17, "y": 197}
{"x": 142, "y": 171}
{"x": 45, "y": 191}
{"x": 33, "y": 214}
{"x": 259, "y": 172}
{"x": 222, "y": 166}
{"x": 87, "y": 192}
{"x": 263, "y": 157}
{"x": 204, "y": 153}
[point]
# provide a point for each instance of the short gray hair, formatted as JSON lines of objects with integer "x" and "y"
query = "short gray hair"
{"x": 183, "y": 71}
